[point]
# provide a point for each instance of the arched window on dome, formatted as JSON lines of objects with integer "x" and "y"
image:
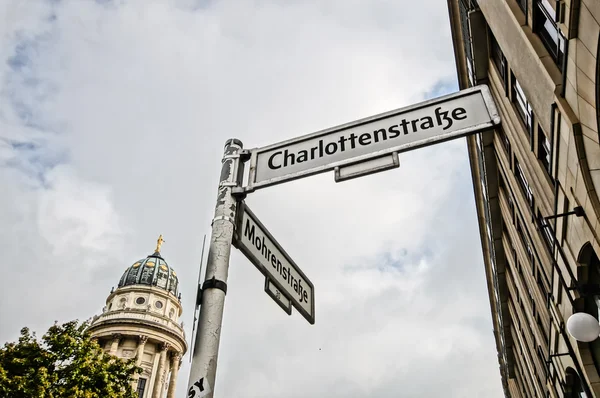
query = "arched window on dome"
{"x": 173, "y": 283}
{"x": 163, "y": 276}
{"x": 148, "y": 272}
{"x": 588, "y": 258}
{"x": 133, "y": 273}
{"x": 123, "y": 278}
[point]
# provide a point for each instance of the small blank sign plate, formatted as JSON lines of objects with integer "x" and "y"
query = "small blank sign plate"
{"x": 370, "y": 166}
{"x": 278, "y": 296}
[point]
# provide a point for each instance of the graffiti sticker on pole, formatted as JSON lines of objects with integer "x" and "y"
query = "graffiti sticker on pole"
{"x": 199, "y": 389}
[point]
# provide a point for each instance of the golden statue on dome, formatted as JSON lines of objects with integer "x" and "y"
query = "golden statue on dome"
{"x": 159, "y": 243}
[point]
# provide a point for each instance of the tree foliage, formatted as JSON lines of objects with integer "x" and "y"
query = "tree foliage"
{"x": 65, "y": 363}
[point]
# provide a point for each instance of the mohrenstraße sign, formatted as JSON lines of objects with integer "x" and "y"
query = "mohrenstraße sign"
{"x": 440, "y": 119}
{"x": 260, "y": 247}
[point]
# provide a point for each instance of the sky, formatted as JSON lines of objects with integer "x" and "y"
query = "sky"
{"x": 113, "y": 117}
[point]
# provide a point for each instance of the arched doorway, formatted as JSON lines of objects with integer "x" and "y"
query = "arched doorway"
{"x": 574, "y": 385}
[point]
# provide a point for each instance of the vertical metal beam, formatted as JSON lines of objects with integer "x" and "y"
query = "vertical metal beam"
{"x": 206, "y": 349}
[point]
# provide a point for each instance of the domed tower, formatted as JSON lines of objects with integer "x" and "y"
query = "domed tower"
{"x": 141, "y": 321}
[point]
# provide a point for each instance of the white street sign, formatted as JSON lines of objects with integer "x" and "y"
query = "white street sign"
{"x": 440, "y": 119}
{"x": 261, "y": 248}
{"x": 278, "y": 297}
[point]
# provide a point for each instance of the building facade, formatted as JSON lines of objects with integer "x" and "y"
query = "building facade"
{"x": 536, "y": 181}
{"x": 141, "y": 321}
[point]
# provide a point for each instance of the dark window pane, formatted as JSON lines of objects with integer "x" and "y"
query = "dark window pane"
{"x": 523, "y": 183}
{"x": 132, "y": 276}
{"x": 141, "y": 387}
{"x": 148, "y": 273}
{"x": 504, "y": 139}
{"x": 546, "y": 232}
{"x": 544, "y": 151}
{"x": 498, "y": 58}
{"x": 544, "y": 24}
{"x": 523, "y": 107}
{"x": 464, "y": 7}
{"x": 172, "y": 284}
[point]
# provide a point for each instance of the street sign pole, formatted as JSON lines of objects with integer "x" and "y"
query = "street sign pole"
{"x": 352, "y": 150}
{"x": 206, "y": 349}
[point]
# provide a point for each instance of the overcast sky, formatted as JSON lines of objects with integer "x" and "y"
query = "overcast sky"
{"x": 113, "y": 116}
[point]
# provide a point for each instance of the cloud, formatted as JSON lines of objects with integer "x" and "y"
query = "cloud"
{"x": 113, "y": 117}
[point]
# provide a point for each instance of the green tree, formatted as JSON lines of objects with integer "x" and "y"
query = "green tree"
{"x": 66, "y": 363}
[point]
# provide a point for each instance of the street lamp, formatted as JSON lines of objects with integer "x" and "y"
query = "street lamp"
{"x": 583, "y": 327}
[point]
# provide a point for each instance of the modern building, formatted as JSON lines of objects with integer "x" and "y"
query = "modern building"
{"x": 141, "y": 321}
{"x": 536, "y": 181}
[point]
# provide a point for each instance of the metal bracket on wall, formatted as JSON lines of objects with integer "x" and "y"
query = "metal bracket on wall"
{"x": 586, "y": 289}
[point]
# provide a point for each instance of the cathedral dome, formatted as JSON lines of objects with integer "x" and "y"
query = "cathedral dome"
{"x": 141, "y": 322}
{"x": 152, "y": 271}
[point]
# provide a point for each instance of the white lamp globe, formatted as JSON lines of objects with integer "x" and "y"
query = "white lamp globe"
{"x": 583, "y": 327}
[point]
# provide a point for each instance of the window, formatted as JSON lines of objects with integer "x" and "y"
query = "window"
{"x": 540, "y": 283}
{"x": 523, "y": 183}
{"x": 525, "y": 242}
{"x": 542, "y": 357}
{"x": 158, "y": 304}
{"x": 523, "y": 107}
{"x": 509, "y": 249}
{"x": 504, "y": 140}
{"x": 464, "y": 7}
{"x": 544, "y": 151}
{"x": 545, "y": 24}
{"x": 532, "y": 304}
{"x": 565, "y": 220}
{"x": 545, "y": 230}
{"x": 499, "y": 59}
{"x": 523, "y": 5}
{"x": 544, "y": 335}
{"x": 508, "y": 195}
{"x": 140, "y": 300}
{"x": 141, "y": 387}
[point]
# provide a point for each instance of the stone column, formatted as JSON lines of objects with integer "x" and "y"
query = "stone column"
{"x": 138, "y": 360}
{"x": 175, "y": 362}
{"x": 158, "y": 383}
{"x": 140, "y": 349}
{"x": 115, "y": 343}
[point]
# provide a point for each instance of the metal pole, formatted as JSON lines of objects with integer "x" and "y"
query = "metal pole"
{"x": 204, "y": 357}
